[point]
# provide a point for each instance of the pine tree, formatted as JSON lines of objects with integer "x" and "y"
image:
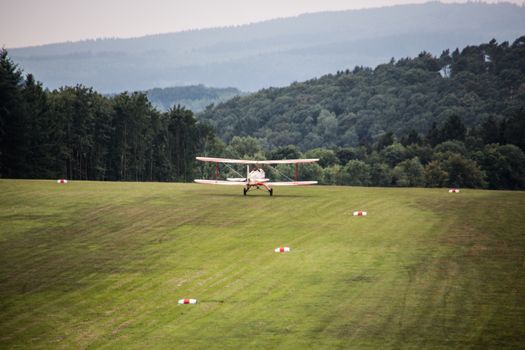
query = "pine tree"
{"x": 13, "y": 127}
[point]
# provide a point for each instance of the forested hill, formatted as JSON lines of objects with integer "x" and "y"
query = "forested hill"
{"x": 358, "y": 106}
{"x": 195, "y": 97}
{"x": 271, "y": 53}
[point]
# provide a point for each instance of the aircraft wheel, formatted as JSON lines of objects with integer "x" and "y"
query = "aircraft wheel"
{"x": 271, "y": 191}
{"x": 244, "y": 191}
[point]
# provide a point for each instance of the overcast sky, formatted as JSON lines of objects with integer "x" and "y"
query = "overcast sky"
{"x": 36, "y": 22}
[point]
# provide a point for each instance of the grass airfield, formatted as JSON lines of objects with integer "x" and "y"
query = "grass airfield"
{"x": 102, "y": 265}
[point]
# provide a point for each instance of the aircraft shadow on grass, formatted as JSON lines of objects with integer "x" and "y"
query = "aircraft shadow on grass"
{"x": 207, "y": 194}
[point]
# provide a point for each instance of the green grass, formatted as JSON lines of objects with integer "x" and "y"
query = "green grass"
{"x": 102, "y": 265}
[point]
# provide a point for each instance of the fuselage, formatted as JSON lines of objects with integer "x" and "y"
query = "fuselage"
{"x": 256, "y": 176}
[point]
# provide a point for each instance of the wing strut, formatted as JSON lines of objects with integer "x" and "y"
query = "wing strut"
{"x": 296, "y": 171}
{"x": 216, "y": 170}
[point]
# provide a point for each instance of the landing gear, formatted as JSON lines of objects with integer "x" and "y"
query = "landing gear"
{"x": 248, "y": 188}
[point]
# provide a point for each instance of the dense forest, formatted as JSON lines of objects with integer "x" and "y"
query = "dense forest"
{"x": 193, "y": 97}
{"x": 454, "y": 120}
{"x": 270, "y": 53}
{"x": 358, "y": 106}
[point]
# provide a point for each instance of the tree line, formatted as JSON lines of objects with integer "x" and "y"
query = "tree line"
{"x": 76, "y": 133}
{"x": 448, "y": 155}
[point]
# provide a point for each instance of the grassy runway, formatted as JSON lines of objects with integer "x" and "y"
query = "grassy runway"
{"x": 102, "y": 265}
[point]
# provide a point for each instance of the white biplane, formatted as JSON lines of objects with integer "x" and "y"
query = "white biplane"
{"x": 255, "y": 178}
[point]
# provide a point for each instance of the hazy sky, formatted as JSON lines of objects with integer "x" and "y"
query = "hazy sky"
{"x": 36, "y": 22}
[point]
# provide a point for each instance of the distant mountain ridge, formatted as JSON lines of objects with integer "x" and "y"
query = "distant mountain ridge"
{"x": 271, "y": 53}
{"x": 194, "y": 97}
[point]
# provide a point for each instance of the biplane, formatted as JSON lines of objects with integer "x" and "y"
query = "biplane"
{"x": 255, "y": 175}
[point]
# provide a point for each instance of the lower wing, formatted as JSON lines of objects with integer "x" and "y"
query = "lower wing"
{"x": 292, "y": 183}
{"x": 236, "y": 179}
{"x": 221, "y": 182}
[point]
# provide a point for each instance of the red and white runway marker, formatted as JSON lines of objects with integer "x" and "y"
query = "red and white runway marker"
{"x": 359, "y": 213}
{"x": 61, "y": 181}
{"x": 282, "y": 250}
{"x": 453, "y": 190}
{"x": 187, "y": 301}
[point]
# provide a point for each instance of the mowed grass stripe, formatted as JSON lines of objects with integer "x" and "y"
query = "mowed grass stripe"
{"x": 102, "y": 265}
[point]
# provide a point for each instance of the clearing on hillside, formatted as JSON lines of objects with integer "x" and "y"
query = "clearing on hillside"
{"x": 104, "y": 265}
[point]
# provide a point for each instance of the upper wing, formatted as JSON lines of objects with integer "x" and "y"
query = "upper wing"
{"x": 220, "y": 182}
{"x": 288, "y": 161}
{"x": 240, "y": 161}
{"x": 225, "y": 160}
{"x": 291, "y": 183}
